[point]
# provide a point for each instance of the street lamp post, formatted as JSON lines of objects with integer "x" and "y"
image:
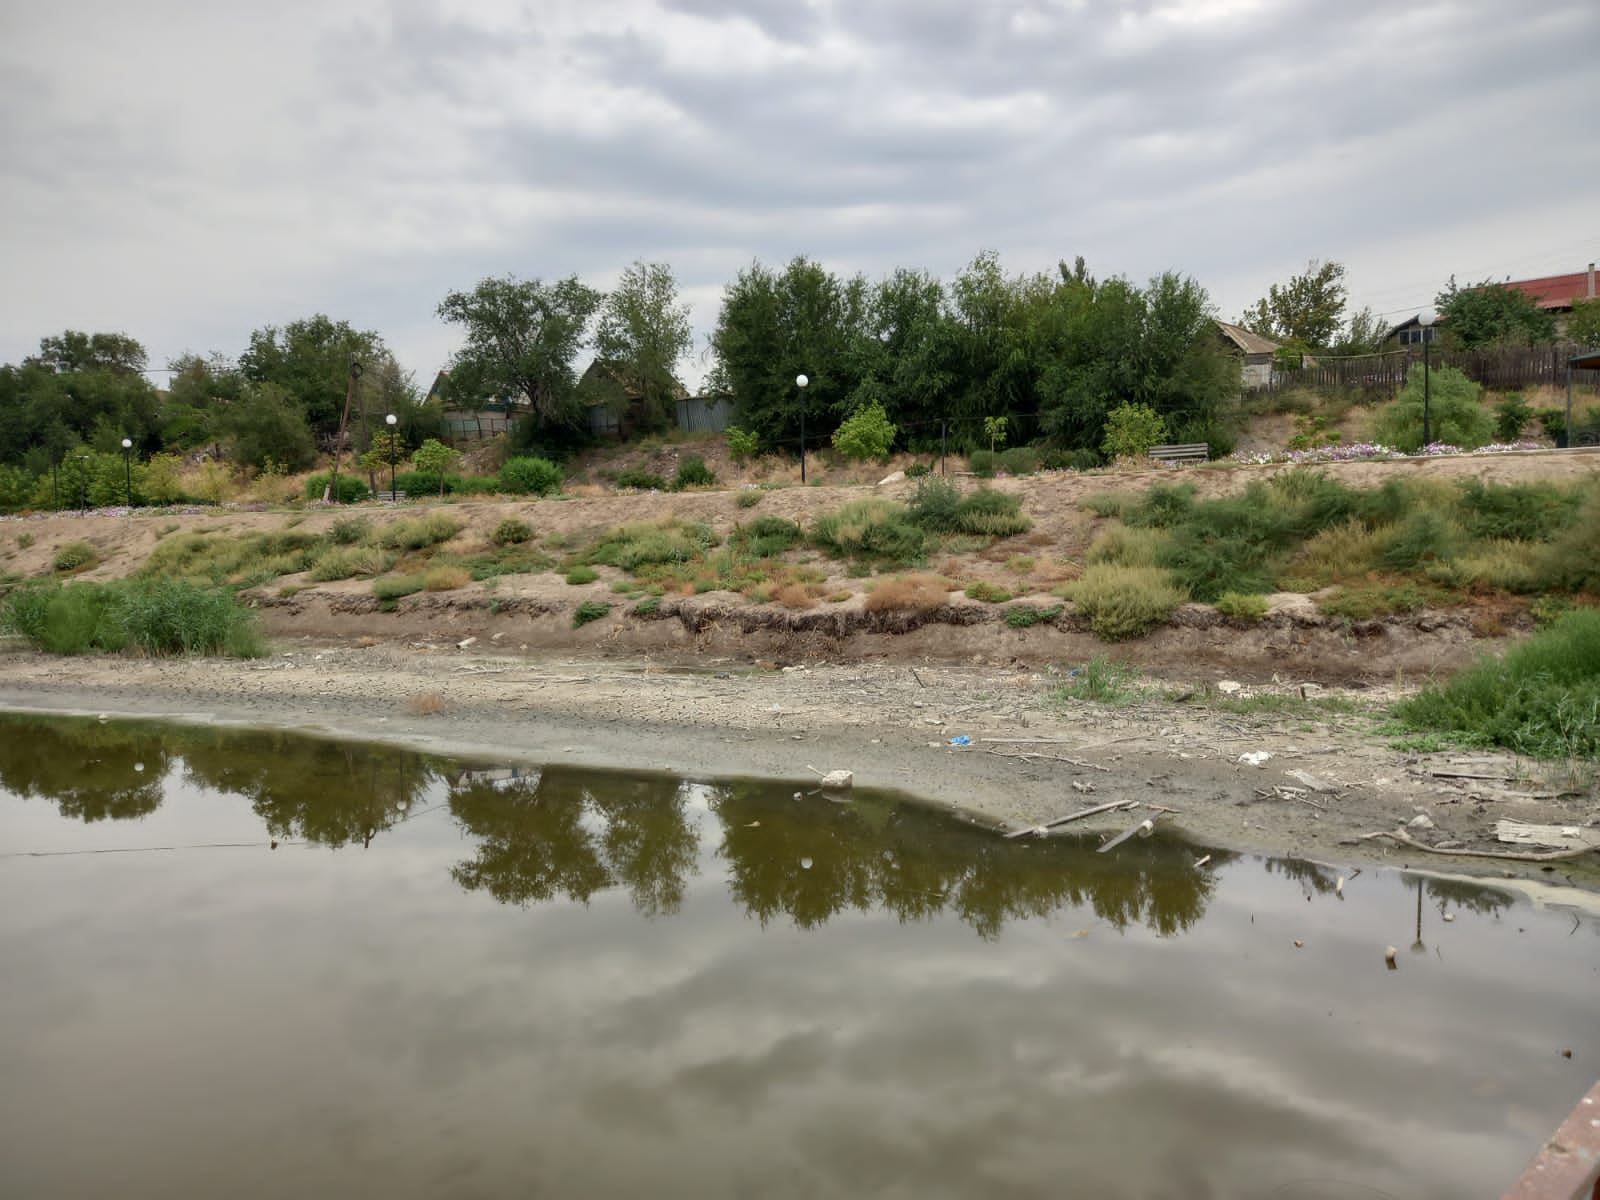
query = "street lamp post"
{"x": 391, "y": 420}
{"x": 127, "y": 469}
{"x": 800, "y": 381}
{"x": 1426, "y": 318}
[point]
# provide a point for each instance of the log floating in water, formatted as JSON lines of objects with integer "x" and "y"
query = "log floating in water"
{"x": 1039, "y": 830}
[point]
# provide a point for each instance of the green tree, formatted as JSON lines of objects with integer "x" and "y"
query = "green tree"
{"x": 388, "y": 448}
{"x": 198, "y": 390}
{"x": 642, "y": 334}
{"x": 1364, "y": 333}
{"x": 79, "y": 388}
{"x": 310, "y": 360}
{"x": 994, "y": 428}
{"x": 1455, "y": 416}
{"x": 1131, "y": 429}
{"x": 867, "y": 434}
{"x": 1492, "y": 314}
{"x": 742, "y": 445}
{"x": 1309, "y": 307}
{"x": 268, "y": 423}
{"x": 1583, "y": 326}
{"x": 434, "y": 457}
{"x": 522, "y": 337}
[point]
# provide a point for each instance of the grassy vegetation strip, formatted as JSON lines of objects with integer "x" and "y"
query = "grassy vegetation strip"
{"x": 153, "y": 616}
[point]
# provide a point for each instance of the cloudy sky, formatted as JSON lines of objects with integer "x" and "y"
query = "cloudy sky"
{"x": 187, "y": 172}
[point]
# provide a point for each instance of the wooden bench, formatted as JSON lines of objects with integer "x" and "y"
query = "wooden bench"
{"x": 1195, "y": 452}
{"x": 384, "y": 495}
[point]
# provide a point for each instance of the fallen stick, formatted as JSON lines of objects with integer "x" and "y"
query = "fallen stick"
{"x": 1040, "y": 830}
{"x": 1076, "y": 762}
{"x": 1401, "y": 835}
{"x": 1143, "y": 829}
{"x": 1029, "y": 741}
{"x": 1467, "y": 775}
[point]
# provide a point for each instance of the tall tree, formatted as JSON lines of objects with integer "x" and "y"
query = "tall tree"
{"x": 642, "y": 335}
{"x": 1492, "y": 314}
{"x": 522, "y": 339}
{"x": 1309, "y": 308}
{"x": 79, "y": 388}
{"x": 310, "y": 359}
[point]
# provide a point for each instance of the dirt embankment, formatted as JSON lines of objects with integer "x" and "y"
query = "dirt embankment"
{"x": 714, "y": 684}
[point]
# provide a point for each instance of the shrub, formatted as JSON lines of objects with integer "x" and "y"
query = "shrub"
{"x": 989, "y": 593}
{"x": 582, "y": 574}
{"x": 24, "y": 540}
{"x": 865, "y": 434}
{"x": 1100, "y": 680}
{"x": 874, "y": 528}
{"x": 1163, "y": 505}
{"x": 992, "y": 514}
{"x": 1025, "y": 616}
{"x": 1019, "y": 460}
{"x": 936, "y": 505}
{"x": 1124, "y": 546}
{"x": 1242, "y": 606}
{"x": 767, "y": 537}
{"x": 589, "y": 610}
{"x": 1529, "y": 512}
{"x": 1082, "y": 459}
{"x": 749, "y": 498}
{"x": 531, "y": 476}
{"x": 917, "y": 470}
{"x": 1124, "y": 602}
{"x": 433, "y": 458}
{"x": 1423, "y": 537}
{"x": 1542, "y": 698}
{"x": 393, "y": 587}
{"x": 157, "y": 616}
{"x": 75, "y": 556}
{"x": 1511, "y": 416}
{"x": 1106, "y": 504}
{"x": 351, "y": 487}
{"x": 643, "y": 543}
{"x": 446, "y": 578}
{"x": 647, "y": 607}
{"x": 350, "y": 531}
{"x": 1130, "y": 431}
{"x": 910, "y": 593}
{"x": 693, "y": 472}
{"x": 1362, "y": 602}
{"x": 418, "y": 533}
{"x": 1345, "y": 551}
{"x": 473, "y": 485}
{"x": 742, "y": 444}
{"x": 512, "y": 531}
{"x": 1455, "y": 417}
{"x": 797, "y": 595}
{"x": 346, "y": 562}
{"x": 641, "y": 480}
{"x": 982, "y": 463}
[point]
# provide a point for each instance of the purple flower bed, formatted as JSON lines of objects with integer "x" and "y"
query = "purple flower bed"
{"x": 1366, "y": 451}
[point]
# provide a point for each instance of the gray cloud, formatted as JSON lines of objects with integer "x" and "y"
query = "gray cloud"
{"x": 190, "y": 178}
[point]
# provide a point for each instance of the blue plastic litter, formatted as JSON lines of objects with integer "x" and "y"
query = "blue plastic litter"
{"x": 961, "y": 739}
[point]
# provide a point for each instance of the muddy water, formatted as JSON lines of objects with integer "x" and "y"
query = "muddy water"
{"x": 450, "y": 979}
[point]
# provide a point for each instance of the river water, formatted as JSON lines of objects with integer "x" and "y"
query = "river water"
{"x": 260, "y": 965}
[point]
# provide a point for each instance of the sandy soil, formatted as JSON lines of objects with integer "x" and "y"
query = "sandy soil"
{"x": 716, "y": 685}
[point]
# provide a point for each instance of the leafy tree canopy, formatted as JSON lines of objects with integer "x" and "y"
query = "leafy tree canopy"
{"x": 642, "y": 334}
{"x": 310, "y": 360}
{"x": 1583, "y": 326}
{"x": 1492, "y": 314}
{"x": 1309, "y": 307}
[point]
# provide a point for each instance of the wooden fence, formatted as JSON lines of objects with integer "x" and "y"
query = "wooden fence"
{"x": 1500, "y": 370}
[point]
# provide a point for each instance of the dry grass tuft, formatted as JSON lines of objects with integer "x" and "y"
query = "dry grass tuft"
{"x": 425, "y": 704}
{"x": 445, "y": 579}
{"x": 367, "y": 641}
{"x": 798, "y": 595}
{"x": 911, "y": 593}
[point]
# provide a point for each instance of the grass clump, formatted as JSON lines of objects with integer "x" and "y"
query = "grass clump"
{"x": 1124, "y": 602}
{"x": 909, "y": 593}
{"x": 989, "y": 593}
{"x": 1025, "y": 615}
{"x": 767, "y": 537}
{"x": 75, "y": 556}
{"x": 418, "y": 533}
{"x": 693, "y": 472}
{"x": 1542, "y": 698}
{"x": 1106, "y": 504}
{"x": 1362, "y": 602}
{"x": 581, "y": 574}
{"x": 446, "y": 578}
{"x": 749, "y": 498}
{"x": 642, "y": 543}
{"x": 512, "y": 531}
{"x": 589, "y": 610}
{"x": 647, "y": 607}
{"x": 253, "y": 559}
{"x": 1128, "y": 546}
{"x": 641, "y": 480}
{"x": 1101, "y": 680}
{"x": 348, "y": 562}
{"x": 350, "y": 531}
{"x": 939, "y": 507}
{"x": 874, "y": 528}
{"x": 394, "y": 587}
{"x": 1242, "y": 606}
{"x": 153, "y": 616}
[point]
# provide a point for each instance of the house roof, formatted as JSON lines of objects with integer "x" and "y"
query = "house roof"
{"x": 1553, "y": 291}
{"x": 1586, "y": 362}
{"x": 1249, "y": 343}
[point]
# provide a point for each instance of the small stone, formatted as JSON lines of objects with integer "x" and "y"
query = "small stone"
{"x": 1421, "y": 821}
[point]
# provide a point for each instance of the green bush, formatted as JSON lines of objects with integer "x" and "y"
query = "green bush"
{"x": 1124, "y": 602}
{"x": 918, "y": 470}
{"x": 693, "y": 472}
{"x": 473, "y": 485}
{"x": 1511, "y": 417}
{"x": 582, "y": 574}
{"x": 992, "y": 514}
{"x": 647, "y": 607}
{"x": 1527, "y": 512}
{"x": 350, "y": 531}
{"x": 936, "y": 505}
{"x": 865, "y": 434}
{"x": 1106, "y": 504}
{"x": 75, "y": 556}
{"x": 1125, "y": 546}
{"x": 749, "y": 498}
{"x": 1455, "y": 416}
{"x": 767, "y": 537}
{"x": 589, "y": 610}
{"x": 874, "y": 528}
{"x": 531, "y": 476}
{"x": 1542, "y": 698}
{"x": 1101, "y": 680}
{"x": 418, "y": 533}
{"x": 1131, "y": 429}
{"x": 1162, "y": 506}
{"x": 393, "y": 587}
{"x": 1019, "y": 460}
{"x": 512, "y": 531}
{"x": 346, "y": 562}
{"x": 646, "y": 543}
{"x": 641, "y": 480}
{"x": 983, "y": 463}
{"x": 351, "y": 487}
{"x": 1242, "y": 606}
{"x": 1081, "y": 459}
{"x": 16, "y": 488}
{"x": 989, "y": 593}
{"x": 154, "y": 616}
{"x": 1024, "y": 615}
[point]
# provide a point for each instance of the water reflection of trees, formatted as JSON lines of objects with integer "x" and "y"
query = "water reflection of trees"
{"x": 573, "y": 833}
{"x": 875, "y": 853}
{"x": 91, "y": 771}
{"x": 331, "y": 793}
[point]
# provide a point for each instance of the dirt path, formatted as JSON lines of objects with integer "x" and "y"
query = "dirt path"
{"x": 891, "y": 725}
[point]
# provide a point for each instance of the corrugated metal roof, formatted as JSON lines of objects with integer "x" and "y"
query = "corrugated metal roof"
{"x": 1553, "y": 291}
{"x": 1250, "y": 343}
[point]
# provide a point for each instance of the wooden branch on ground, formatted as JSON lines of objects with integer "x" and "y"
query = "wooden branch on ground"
{"x": 1143, "y": 829}
{"x": 1040, "y": 830}
{"x": 1026, "y": 754}
{"x": 1400, "y": 835}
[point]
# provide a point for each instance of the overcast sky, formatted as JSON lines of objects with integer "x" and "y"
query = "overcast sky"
{"x": 187, "y": 172}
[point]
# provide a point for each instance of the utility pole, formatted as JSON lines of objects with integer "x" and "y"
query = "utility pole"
{"x": 330, "y": 494}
